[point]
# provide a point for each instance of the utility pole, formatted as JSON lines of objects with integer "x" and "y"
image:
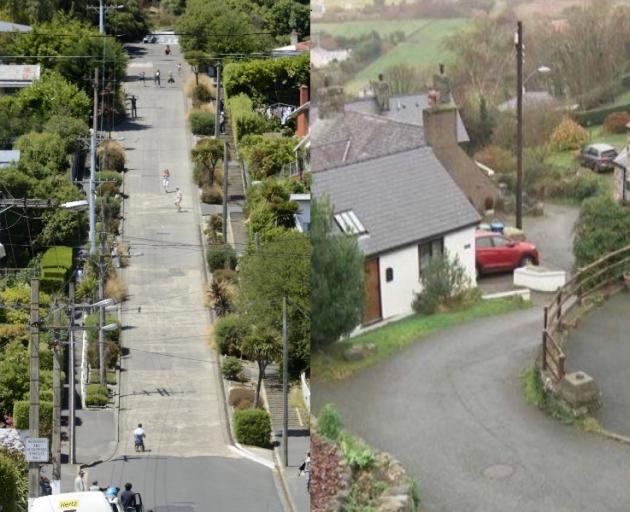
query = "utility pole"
{"x": 218, "y": 109}
{"x": 92, "y": 191}
{"x": 71, "y": 399}
{"x": 285, "y": 384}
{"x": 101, "y": 312}
{"x": 56, "y": 434}
{"x": 101, "y": 17}
{"x": 33, "y": 388}
{"x": 225, "y": 190}
{"x": 519, "y": 124}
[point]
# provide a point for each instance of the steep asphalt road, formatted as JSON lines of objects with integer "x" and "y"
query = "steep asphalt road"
{"x": 451, "y": 408}
{"x": 169, "y": 381}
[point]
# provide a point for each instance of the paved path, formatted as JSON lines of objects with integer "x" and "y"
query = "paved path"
{"x": 451, "y": 408}
{"x": 170, "y": 378}
{"x": 601, "y": 348}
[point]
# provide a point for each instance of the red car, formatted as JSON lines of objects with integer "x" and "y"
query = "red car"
{"x": 494, "y": 253}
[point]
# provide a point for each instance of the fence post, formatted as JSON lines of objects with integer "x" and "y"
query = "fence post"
{"x": 544, "y": 348}
{"x": 559, "y": 303}
{"x": 561, "y": 367}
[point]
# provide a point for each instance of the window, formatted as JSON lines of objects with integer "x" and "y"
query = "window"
{"x": 389, "y": 274}
{"x": 349, "y": 223}
{"x": 484, "y": 242}
{"x": 428, "y": 251}
{"x": 499, "y": 241}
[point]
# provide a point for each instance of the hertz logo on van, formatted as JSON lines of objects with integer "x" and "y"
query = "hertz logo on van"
{"x": 66, "y": 504}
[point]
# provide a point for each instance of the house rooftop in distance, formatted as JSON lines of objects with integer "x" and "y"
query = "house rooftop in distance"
{"x": 406, "y": 108}
{"x": 15, "y": 76}
{"x": 6, "y": 26}
{"x": 396, "y": 200}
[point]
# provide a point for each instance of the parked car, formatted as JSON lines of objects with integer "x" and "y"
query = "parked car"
{"x": 91, "y": 501}
{"x": 149, "y": 38}
{"x": 494, "y": 252}
{"x": 598, "y": 157}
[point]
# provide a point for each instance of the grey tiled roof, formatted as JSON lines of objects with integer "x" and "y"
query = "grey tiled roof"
{"x": 400, "y": 199}
{"x": 405, "y": 109}
{"x": 352, "y": 137}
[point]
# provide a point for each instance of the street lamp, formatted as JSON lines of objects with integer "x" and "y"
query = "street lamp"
{"x": 543, "y": 70}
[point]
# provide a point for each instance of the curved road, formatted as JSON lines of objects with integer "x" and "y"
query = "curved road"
{"x": 451, "y": 408}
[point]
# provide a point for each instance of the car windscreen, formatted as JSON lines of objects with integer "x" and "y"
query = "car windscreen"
{"x": 610, "y": 154}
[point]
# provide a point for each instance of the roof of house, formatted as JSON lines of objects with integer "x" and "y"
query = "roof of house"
{"x": 353, "y": 137}
{"x": 6, "y": 26}
{"x": 9, "y": 156}
{"x": 400, "y": 199}
{"x": 530, "y": 98}
{"x": 18, "y": 75}
{"x": 405, "y": 108}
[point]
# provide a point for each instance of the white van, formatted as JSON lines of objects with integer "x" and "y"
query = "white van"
{"x": 92, "y": 501}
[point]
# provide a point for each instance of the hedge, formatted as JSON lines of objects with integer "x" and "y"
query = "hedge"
{"x": 244, "y": 120}
{"x": 268, "y": 81}
{"x": 253, "y": 427}
{"x": 266, "y": 156}
{"x": 598, "y": 115}
{"x": 221, "y": 256}
{"x": 96, "y": 395}
{"x": 231, "y": 368}
{"x": 21, "y": 413}
{"x": 113, "y": 176}
{"x": 201, "y": 122}
{"x": 9, "y": 478}
{"x": 229, "y": 331}
{"x": 55, "y": 264}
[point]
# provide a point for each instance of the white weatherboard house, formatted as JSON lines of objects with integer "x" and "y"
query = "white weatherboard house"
{"x": 405, "y": 209}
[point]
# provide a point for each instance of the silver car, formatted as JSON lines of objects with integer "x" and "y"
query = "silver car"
{"x": 598, "y": 157}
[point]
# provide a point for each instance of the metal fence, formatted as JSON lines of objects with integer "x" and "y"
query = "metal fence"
{"x": 588, "y": 280}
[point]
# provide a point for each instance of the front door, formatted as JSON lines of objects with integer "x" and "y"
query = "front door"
{"x": 373, "y": 292}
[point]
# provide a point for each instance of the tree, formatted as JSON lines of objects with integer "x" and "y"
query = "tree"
{"x": 337, "y": 278}
{"x": 70, "y": 129}
{"x": 198, "y": 60}
{"x": 207, "y": 153}
{"x": 9, "y": 481}
{"x": 266, "y": 156}
{"x": 285, "y": 16}
{"x": 402, "y": 79}
{"x": 129, "y": 23}
{"x": 281, "y": 268}
{"x": 42, "y": 154}
{"x": 264, "y": 346}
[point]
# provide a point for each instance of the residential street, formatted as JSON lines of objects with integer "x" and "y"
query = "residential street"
{"x": 452, "y": 409}
{"x": 169, "y": 379}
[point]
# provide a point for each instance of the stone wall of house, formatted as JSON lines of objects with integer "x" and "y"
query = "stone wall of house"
{"x": 440, "y": 130}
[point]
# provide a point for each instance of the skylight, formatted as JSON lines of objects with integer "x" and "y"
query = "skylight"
{"x": 349, "y": 223}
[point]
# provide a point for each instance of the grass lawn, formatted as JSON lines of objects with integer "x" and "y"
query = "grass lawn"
{"x": 421, "y": 50}
{"x": 359, "y": 28}
{"x": 330, "y": 365}
{"x": 95, "y": 377}
{"x": 568, "y": 159}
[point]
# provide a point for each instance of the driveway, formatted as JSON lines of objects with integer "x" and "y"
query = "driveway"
{"x": 451, "y": 408}
{"x": 552, "y": 233}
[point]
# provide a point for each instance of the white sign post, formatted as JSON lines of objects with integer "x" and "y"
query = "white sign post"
{"x": 36, "y": 449}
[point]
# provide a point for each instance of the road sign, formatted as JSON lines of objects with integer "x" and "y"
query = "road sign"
{"x": 36, "y": 449}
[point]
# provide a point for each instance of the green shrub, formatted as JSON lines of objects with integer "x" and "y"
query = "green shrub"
{"x": 229, "y": 332}
{"x": 329, "y": 423}
{"x": 221, "y": 256}
{"x": 211, "y": 194}
{"x": 201, "y": 93}
{"x": 112, "y": 353}
{"x": 266, "y": 156}
{"x": 113, "y": 176}
{"x": 96, "y": 395}
{"x": 112, "y": 156}
{"x": 358, "y": 454}
{"x": 443, "y": 280}
{"x": 253, "y": 427}
{"x": 231, "y": 368}
{"x": 568, "y": 135}
{"x": 225, "y": 275}
{"x": 9, "y": 483}
{"x": 201, "y": 122}
{"x": 616, "y": 122}
{"x": 21, "y": 413}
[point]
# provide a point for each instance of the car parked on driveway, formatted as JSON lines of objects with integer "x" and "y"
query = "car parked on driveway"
{"x": 598, "y": 157}
{"x": 494, "y": 252}
{"x": 149, "y": 38}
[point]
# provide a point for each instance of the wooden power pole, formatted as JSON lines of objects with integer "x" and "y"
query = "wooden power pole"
{"x": 71, "y": 378}
{"x": 56, "y": 433}
{"x": 101, "y": 312}
{"x": 285, "y": 384}
{"x": 519, "y": 125}
{"x": 33, "y": 412}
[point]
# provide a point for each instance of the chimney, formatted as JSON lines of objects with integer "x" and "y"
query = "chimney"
{"x": 302, "y": 118}
{"x": 294, "y": 38}
{"x": 440, "y": 126}
{"x": 330, "y": 101}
